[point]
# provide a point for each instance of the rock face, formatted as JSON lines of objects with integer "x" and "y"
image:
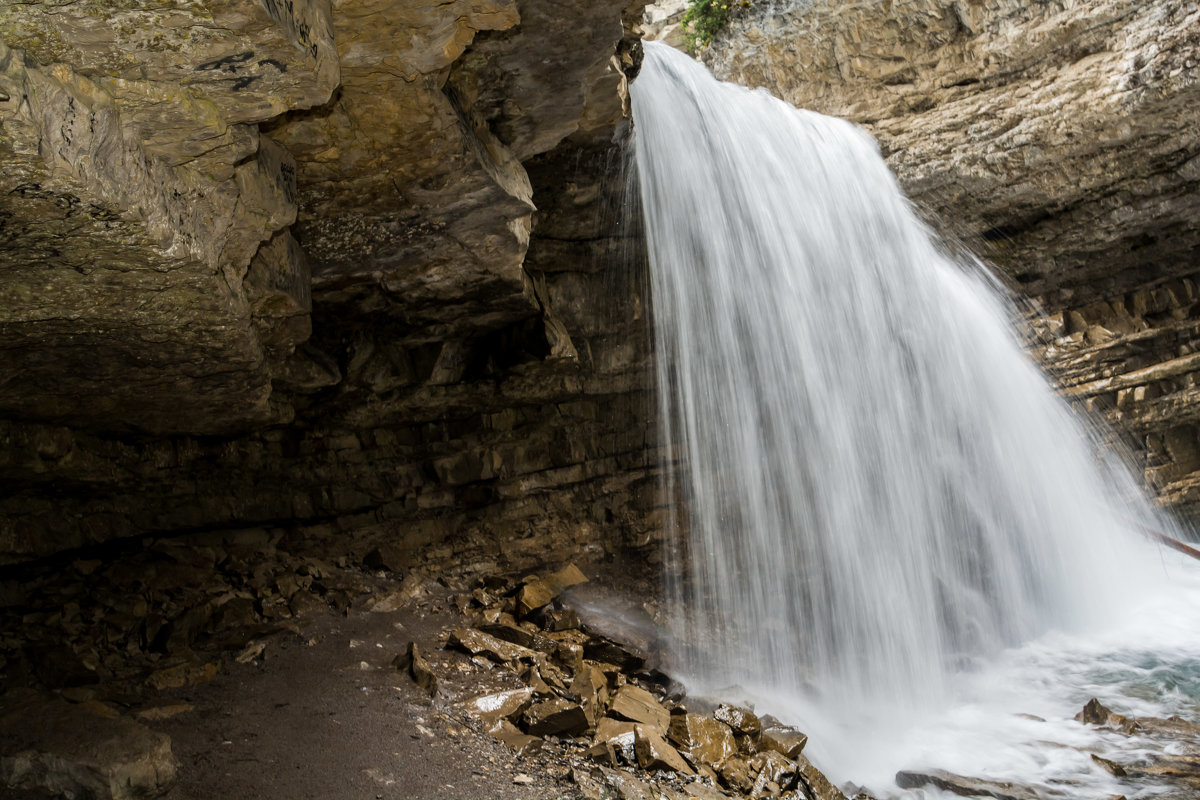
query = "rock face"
{"x": 345, "y": 266}
{"x": 1060, "y": 141}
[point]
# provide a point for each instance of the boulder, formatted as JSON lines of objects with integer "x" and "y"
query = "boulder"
{"x": 563, "y": 619}
{"x": 736, "y": 774}
{"x": 492, "y": 708}
{"x": 653, "y": 752}
{"x": 538, "y": 592}
{"x": 783, "y": 740}
{"x": 71, "y": 752}
{"x": 707, "y": 739}
{"x": 743, "y": 721}
{"x": 618, "y": 735}
{"x": 515, "y": 634}
{"x": 477, "y": 642}
{"x": 772, "y": 768}
{"x": 815, "y": 784}
{"x": 636, "y": 704}
{"x": 555, "y": 716}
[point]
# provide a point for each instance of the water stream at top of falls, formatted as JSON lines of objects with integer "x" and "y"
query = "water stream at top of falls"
{"x": 883, "y": 503}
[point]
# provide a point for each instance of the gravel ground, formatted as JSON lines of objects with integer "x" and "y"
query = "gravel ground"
{"x": 324, "y": 715}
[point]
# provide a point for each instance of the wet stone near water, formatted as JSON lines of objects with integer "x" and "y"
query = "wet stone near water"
{"x": 608, "y": 721}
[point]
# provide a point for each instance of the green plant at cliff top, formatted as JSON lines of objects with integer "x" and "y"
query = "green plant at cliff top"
{"x": 705, "y": 18}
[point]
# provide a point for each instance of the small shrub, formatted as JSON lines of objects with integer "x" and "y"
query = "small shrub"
{"x": 705, "y": 18}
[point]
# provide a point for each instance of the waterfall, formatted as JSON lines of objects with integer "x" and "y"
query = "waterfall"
{"x": 878, "y": 490}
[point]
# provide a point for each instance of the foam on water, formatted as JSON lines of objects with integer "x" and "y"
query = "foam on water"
{"x": 893, "y": 527}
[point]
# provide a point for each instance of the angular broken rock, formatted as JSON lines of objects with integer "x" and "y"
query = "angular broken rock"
{"x": 1094, "y": 713}
{"x": 591, "y": 688}
{"x": 619, "y": 735}
{"x": 609, "y": 652}
{"x": 523, "y": 744}
{"x": 962, "y": 785}
{"x": 782, "y": 739}
{"x": 815, "y": 783}
{"x": 653, "y": 752}
{"x": 743, "y": 721}
{"x": 492, "y": 708}
{"x": 477, "y": 643}
{"x": 707, "y": 739}
{"x": 412, "y": 662}
{"x": 556, "y": 716}
{"x": 701, "y": 792}
{"x": 772, "y": 767}
{"x": 637, "y": 705}
{"x": 627, "y": 786}
{"x": 1111, "y": 767}
{"x": 538, "y": 592}
{"x": 564, "y": 619}
{"x": 514, "y": 634}
{"x": 71, "y": 753}
{"x": 735, "y": 773}
{"x": 603, "y": 753}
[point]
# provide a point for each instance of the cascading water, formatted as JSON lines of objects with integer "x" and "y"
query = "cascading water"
{"x": 881, "y": 492}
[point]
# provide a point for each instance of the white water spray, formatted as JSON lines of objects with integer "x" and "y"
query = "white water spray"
{"x": 881, "y": 491}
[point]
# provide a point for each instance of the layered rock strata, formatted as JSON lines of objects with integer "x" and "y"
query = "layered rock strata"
{"x": 342, "y": 267}
{"x": 1060, "y": 141}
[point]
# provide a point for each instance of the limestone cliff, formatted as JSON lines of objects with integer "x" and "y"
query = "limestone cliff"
{"x": 334, "y": 266}
{"x": 1061, "y": 141}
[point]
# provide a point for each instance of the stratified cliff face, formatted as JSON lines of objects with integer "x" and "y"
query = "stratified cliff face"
{"x": 1061, "y": 141}
{"x": 344, "y": 268}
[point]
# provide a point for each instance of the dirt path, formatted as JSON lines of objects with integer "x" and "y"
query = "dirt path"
{"x": 324, "y": 715}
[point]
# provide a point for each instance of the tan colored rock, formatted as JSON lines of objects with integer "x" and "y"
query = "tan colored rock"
{"x": 493, "y": 708}
{"x": 701, "y": 792}
{"x": 706, "y": 738}
{"x": 70, "y": 752}
{"x": 736, "y": 774}
{"x": 521, "y": 743}
{"x": 1056, "y": 135}
{"x": 782, "y": 739}
{"x": 618, "y": 736}
{"x": 637, "y": 705}
{"x": 603, "y": 753}
{"x": 771, "y": 769}
{"x": 654, "y": 753}
{"x": 591, "y": 687}
{"x": 417, "y": 667}
{"x": 743, "y": 721}
{"x": 1111, "y": 767}
{"x": 561, "y": 620}
{"x": 477, "y": 643}
{"x": 555, "y": 716}
{"x": 814, "y": 781}
{"x": 524, "y": 637}
{"x": 538, "y": 592}
{"x": 627, "y": 786}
